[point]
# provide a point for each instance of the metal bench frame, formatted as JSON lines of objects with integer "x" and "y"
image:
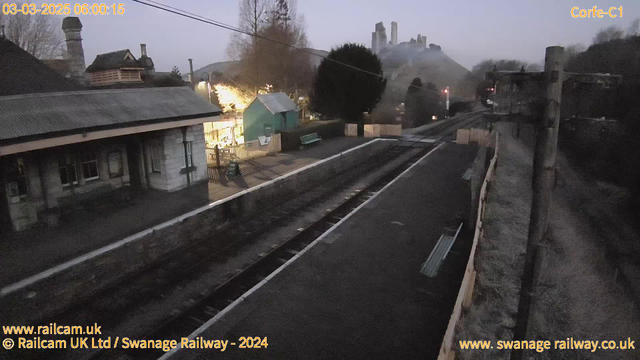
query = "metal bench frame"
{"x": 439, "y": 253}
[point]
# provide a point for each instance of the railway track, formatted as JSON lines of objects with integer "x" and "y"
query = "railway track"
{"x": 158, "y": 281}
{"x": 449, "y": 127}
{"x": 217, "y": 300}
{"x": 113, "y": 304}
{"x": 226, "y": 294}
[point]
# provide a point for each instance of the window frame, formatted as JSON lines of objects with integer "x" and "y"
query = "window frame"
{"x": 93, "y": 159}
{"x": 155, "y": 151}
{"x": 17, "y": 180}
{"x": 64, "y": 165}
{"x": 187, "y": 160}
{"x": 113, "y": 174}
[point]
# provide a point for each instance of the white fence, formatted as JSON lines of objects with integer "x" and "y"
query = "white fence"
{"x": 248, "y": 150}
{"x": 465, "y": 294}
{"x": 378, "y": 130}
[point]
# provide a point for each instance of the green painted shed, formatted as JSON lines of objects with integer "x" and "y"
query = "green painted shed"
{"x": 267, "y": 114}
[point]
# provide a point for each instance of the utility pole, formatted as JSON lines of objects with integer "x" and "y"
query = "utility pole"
{"x": 544, "y": 163}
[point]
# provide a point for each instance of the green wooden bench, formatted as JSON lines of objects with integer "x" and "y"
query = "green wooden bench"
{"x": 309, "y": 138}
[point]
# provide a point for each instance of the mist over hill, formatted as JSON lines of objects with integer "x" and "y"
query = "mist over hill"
{"x": 228, "y": 68}
{"x": 401, "y": 64}
{"x": 406, "y": 61}
{"x": 232, "y": 68}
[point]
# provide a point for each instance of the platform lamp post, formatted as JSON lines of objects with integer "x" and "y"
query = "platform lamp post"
{"x": 446, "y": 91}
{"x": 208, "y": 82}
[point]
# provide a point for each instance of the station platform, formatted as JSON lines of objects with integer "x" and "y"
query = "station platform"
{"x": 29, "y": 252}
{"x": 358, "y": 292}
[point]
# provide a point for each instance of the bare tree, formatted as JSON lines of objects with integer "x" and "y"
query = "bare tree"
{"x": 252, "y": 17}
{"x": 608, "y": 34}
{"x": 253, "y": 14}
{"x": 37, "y": 34}
{"x": 572, "y": 51}
{"x": 286, "y": 68}
{"x": 268, "y": 62}
{"x": 634, "y": 28}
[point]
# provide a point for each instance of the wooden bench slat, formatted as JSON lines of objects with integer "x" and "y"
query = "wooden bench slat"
{"x": 309, "y": 138}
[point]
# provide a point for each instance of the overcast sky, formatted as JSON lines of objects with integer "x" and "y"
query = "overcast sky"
{"x": 468, "y": 31}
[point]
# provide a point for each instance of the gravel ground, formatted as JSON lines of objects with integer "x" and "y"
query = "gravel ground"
{"x": 499, "y": 259}
{"x": 580, "y": 294}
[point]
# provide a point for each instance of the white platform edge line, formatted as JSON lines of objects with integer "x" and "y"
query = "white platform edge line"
{"x": 80, "y": 259}
{"x": 218, "y": 316}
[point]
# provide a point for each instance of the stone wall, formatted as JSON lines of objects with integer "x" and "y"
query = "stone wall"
{"x": 351, "y": 130}
{"x": 467, "y": 136}
{"x": 378, "y": 130}
{"x": 105, "y": 268}
{"x": 172, "y": 175}
{"x": 26, "y": 211}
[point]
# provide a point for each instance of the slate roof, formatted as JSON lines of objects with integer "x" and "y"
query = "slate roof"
{"x": 37, "y": 116}
{"x": 146, "y": 61}
{"x": 61, "y": 66}
{"x": 114, "y": 60}
{"x": 21, "y": 73}
{"x": 277, "y": 102}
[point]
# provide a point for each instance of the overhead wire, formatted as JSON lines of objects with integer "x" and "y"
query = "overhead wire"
{"x": 197, "y": 17}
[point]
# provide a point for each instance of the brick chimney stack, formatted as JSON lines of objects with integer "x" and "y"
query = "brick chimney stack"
{"x": 143, "y": 50}
{"x": 72, "y": 28}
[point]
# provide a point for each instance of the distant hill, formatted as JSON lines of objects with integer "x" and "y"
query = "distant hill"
{"x": 316, "y": 60}
{"x": 232, "y": 68}
{"x": 401, "y": 64}
{"x": 228, "y": 68}
{"x": 404, "y": 62}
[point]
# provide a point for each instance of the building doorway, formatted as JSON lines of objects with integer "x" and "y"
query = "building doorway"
{"x": 136, "y": 166}
{"x": 5, "y": 218}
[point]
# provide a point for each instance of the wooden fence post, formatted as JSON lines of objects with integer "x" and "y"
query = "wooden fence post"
{"x": 544, "y": 162}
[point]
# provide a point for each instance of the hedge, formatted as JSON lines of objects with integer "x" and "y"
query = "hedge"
{"x": 326, "y": 129}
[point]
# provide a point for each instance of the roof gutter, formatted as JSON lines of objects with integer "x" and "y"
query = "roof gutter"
{"x": 99, "y": 134}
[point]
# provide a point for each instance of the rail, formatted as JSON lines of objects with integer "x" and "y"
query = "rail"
{"x": 465, "y": 294}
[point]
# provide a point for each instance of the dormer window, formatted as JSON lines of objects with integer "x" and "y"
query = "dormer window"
{"x": 128, "y": 75}
{"x": 115, "y": 67}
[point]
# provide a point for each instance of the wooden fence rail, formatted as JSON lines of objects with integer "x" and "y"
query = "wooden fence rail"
{"x": 465, "y": 294}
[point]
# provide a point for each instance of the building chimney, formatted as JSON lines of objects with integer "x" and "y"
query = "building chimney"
{"x": 394, "y": 33}
{"x": 191, "y": 78}
{"x": 375, "y": 39}
{"x": 143, "y": 50}
{"x": 72, "y": 28}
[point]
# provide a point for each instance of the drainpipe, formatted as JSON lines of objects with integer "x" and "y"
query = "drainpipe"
{"x": 43, "y": 179}
{"x": 145, "y": 166}
{"x": 186, "y": 156}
